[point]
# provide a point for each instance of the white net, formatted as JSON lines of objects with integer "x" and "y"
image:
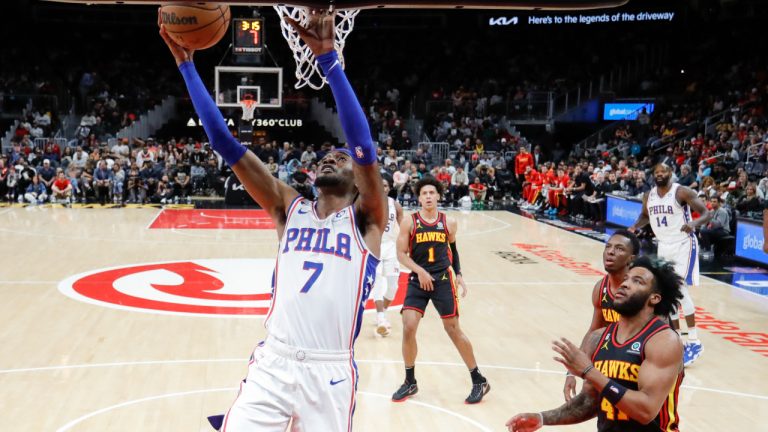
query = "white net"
{"x": 248, "y": 106}
{"x": 308, "y": 72}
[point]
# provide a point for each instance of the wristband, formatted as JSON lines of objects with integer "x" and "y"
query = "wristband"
{"x": 586, "y": 371}
{"x": 568, "y": 373}
{"x": 351, "y": 115}
{"x": 613, "y": 392}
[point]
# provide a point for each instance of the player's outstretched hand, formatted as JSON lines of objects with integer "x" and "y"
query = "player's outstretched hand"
{"x": 526, "y": 422}
{"x": 425, "y": 280}
{"x": 180, "y": 54}
{"x": 569, "y": 389}
{"x": 319, "y": 32}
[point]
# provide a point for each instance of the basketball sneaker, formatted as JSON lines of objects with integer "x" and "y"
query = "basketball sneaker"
{"x": 405, "y": 391}
{"x": 383, "y": 328}
{"x": 478, "y": 391}
{"x": 692, "y": 352}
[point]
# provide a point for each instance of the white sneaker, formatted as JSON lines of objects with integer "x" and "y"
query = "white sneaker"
{"x": 383, "y": 328}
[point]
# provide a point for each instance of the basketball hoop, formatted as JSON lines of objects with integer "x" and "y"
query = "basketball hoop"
{"x": 308, "y": 72}
{"x": 248, "y": 105}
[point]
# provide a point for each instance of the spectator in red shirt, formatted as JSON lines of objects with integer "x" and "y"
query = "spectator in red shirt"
{"x": 61, "y": 189}
{"x": 477, "y": 190}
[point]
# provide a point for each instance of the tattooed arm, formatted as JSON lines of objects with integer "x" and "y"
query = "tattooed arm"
{"x": 579, "y": 409}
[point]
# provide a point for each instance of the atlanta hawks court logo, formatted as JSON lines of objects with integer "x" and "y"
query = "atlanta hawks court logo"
{"x": 207, "y": 287}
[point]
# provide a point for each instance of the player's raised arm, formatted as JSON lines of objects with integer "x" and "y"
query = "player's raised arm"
{"x": 271, "y": 194}
{"x": 319, "y": 36}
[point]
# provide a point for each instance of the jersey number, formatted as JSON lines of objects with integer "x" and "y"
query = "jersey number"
{"x": 317, "y": 268}
{"x": 610, "y": 411}
{"x": 661, "y": 221}
{"x": 431, "y": 257}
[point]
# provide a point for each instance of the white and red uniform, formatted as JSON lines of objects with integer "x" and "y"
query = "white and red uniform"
{"x": 305, "y": 371}
{"x": 666, "y": 217}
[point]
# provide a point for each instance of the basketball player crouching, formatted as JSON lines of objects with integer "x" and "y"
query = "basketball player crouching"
{"x": 388, "y": 271}
{"x": 634, "y": 369}
{"x": 304, "y": 373}
{"x": 427, "y": 246}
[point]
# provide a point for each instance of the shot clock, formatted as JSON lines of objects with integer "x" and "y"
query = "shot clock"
{"x": 248, "y": 35}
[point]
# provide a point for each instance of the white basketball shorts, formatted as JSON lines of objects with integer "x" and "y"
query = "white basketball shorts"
{"x": 310, "y": 390}
{"x": 685, "y": 255}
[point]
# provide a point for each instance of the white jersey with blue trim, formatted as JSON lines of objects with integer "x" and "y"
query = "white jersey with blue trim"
{"x": 323, "y": 277}
{"x": 667, "y": 216}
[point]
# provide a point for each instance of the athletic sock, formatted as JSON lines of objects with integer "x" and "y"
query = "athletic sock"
{"x": 477, "y": 378}
{"x": 410, "y": 375}
{"x": 381, "y": 316}
{"x": 693, "y": 334}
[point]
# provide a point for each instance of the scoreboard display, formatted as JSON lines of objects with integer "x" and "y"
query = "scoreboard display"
{"x": 248, "y": 35}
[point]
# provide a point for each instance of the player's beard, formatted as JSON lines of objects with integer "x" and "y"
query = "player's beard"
{"x": 329, "y": 181}
{"x": 663, "y": 182}
{"x": 632, "y": 305}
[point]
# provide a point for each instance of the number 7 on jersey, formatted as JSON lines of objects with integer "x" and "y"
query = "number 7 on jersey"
{"x": 317, "y": 269}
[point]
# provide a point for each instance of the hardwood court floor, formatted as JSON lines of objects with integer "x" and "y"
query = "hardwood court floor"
{"x": 71, "y": 365}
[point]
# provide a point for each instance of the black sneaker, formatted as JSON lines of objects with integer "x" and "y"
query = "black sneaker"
{"x": 405, "y": 391}
{"x": 477, "y": 393}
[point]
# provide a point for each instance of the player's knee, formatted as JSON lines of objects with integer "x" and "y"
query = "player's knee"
{"x": 452, "y": 327}
{"x": 409, "y": 330}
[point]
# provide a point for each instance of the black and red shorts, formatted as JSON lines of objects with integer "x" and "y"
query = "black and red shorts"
{"x": 444, "y": 295}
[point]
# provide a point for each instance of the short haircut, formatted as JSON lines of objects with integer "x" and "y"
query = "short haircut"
{"x": 632, "y": 239}
{"x": 666, "y": 282}
{"x": 429, "y": 181}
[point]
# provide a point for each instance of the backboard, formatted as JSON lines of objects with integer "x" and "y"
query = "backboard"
{"x": 262, "y": 84}
{"x": 414, "y": 4}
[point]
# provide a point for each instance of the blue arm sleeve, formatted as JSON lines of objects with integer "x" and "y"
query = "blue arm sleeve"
{"x": 351, "y": 114}
{"x": 213, "y": 122}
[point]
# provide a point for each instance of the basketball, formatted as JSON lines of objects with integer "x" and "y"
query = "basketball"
{"x": 196, "y": 26}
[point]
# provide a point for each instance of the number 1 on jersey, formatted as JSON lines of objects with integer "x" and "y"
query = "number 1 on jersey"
{"x": 431, "y": 257}
{"x": 318, "y": 268}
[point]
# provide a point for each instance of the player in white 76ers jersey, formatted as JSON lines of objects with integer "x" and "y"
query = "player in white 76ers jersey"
{"x": 388, "y": 271}
{"x": 303, "y": 374}
{"x": 667, "y": 208}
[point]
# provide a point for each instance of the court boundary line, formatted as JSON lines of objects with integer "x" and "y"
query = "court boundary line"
{"x": 369, "y": 361}
{"x": 92, "y": 414}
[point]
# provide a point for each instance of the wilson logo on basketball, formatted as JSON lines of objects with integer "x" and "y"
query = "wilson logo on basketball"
{"x": 172, "y": 18}
{"x": 212, "y": 287}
